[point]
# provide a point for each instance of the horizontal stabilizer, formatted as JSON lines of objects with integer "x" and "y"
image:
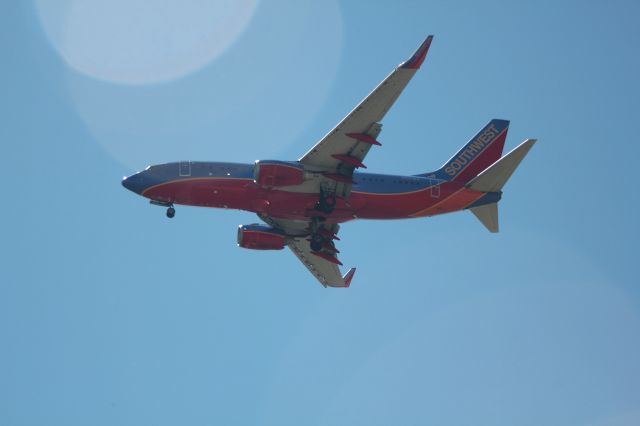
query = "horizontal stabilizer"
{"x": 488, "y": 215}
{"x": 496, "y": 175}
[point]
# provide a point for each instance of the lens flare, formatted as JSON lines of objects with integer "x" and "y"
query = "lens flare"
{"x": 142, "y": 42}
{"x": 252, "y": 102}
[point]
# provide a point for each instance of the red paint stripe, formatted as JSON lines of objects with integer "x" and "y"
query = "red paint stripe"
{"x": 418, "y": 58}
{"x": 331, "y": 248}
{"x": 327, "y": 234}
{"x": 490, "y": 155}
{"x": 327, "y": 257}
{"x": 364, "y": 138}
{"x": 455, "y": 202}
{"x": 349, "y": 277}
{"x": 349, "y": 160}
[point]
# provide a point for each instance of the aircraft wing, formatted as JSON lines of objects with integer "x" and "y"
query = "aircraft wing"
{"x": 344, "y": 148}
{"x": 323, "y": 265}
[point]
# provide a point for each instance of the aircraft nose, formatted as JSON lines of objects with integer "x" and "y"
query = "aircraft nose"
{"x": 126, "y": 182}
{"x": 134, "y": 183}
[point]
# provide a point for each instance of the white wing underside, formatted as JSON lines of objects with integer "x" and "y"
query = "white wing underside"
{"x": 326, "y": 272}
{"x": 336, "y": 156}
{"x": 364, "y": 118}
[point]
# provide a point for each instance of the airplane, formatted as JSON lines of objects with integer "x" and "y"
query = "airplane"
{"x": 302, "y": 203}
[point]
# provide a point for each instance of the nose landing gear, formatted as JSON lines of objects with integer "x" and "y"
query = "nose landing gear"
{"x": 171, "y": 212}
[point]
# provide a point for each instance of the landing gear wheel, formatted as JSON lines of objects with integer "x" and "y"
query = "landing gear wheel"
{"x": 327, "y": 202}
{"x": 316, "y": 242}
{"x": 330, "y": 201}
{"x": 171, "y": 212}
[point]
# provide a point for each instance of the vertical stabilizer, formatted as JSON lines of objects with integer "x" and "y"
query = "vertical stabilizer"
{"x": 478, "y": 154}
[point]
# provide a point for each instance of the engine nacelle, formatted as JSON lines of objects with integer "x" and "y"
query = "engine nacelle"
{"x": 260, "y": 237}
{"x": 278, "y": 173}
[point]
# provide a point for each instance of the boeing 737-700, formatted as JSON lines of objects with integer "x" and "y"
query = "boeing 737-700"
{"x": 302, "y": 203}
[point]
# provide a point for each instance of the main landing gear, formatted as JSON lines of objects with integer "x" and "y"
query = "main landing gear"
{"x": 327, "y": 202}
{"x": 171, "y": 212}
{"x": 316, "y": 242}
{"x": 319, "y": 242}
{"x": 321, "y": 239}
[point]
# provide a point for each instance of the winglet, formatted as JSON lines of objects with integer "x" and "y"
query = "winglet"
{"x": 348, "y": 277}
{"x": 418, "y": 58}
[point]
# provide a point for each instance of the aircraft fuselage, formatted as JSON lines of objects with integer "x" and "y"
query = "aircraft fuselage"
{"x": 234, "y": 186}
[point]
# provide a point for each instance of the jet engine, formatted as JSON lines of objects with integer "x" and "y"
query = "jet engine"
{"x": 278, "y": 173}
{"x": 260, "y": 237}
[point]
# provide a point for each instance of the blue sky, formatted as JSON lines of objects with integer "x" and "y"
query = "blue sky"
{"x": 112, "y": 314}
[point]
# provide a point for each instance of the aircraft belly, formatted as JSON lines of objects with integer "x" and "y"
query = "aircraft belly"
{"x": 300, "y": 206}
{"x": 243, "y": 194}
{"x": 389, "y": 206}
{"x": 456, "y": 201}
{"x": 205, "y": 192}
{"x": 447, "y": 198}
{"x": 226, "y": 195}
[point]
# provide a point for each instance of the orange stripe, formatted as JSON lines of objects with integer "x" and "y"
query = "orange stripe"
{"x": 452, "y": 203}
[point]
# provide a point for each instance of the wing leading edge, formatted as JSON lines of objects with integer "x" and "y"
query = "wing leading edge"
{"x": 345, "y": 147}
{"x": 337, "y": 155}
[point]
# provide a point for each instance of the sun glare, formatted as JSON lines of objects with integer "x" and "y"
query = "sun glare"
{"x": 141, "y": 42}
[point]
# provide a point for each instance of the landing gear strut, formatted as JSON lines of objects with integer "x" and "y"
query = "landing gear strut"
{"x": 327, "y": 202}
{"x": 316, "y": 242}
{"x": 171, "y": 212}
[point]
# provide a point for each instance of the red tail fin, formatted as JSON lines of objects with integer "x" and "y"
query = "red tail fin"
{"x": 483, "y": 150}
